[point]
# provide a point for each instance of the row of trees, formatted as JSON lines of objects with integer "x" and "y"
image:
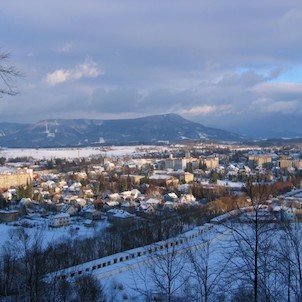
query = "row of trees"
{"x": 255, "y": 261}
{"x": 25, "y": 260}
{"x": 258, "y": 261}
{"x": 262, "y": 261}
{"x": 28, "y": 258}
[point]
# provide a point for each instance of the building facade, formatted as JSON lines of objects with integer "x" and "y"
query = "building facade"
{"x": 61, "y": 219}
{"x": 15, "y": 179}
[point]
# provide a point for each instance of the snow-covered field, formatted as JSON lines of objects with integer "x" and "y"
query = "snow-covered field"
{"x": 180, "y": 267}
{"x": 53, "y": 234}
{"x": 70, "y": 153}
{"x": 185, "y": 269}
{"x": 141, "y": 277}
{"x": 136, "y": 278}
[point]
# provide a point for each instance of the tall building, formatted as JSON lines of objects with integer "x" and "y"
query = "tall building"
{"x": 210, "y": 162}
{"x": 15, "y": 179}
{"x": 259, "y": 160}
{"x": 285, "y": 162}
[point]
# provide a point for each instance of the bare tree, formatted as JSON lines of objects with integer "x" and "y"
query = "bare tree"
{"x": 9, "y": 266}
{"x": 290, "y": 259}
{"x": 206, "y": 271}
{"x": 64, "y": 291}
{"x": 7, "y": 73}
{"x": 252, "y": 265}
{"x": 163, "y": 274}
{"x": 30, "y": 261}
{"x": 88, "y": 289}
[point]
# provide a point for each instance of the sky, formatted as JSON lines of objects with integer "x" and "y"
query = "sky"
{"x": 234, "y": 65}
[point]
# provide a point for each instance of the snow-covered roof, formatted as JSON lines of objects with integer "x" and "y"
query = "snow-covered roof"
{"x": 172, "y": 195}
{"x": 157, "y": 176}
{"x": 112, "y": 203}
{"x": 122, "y": 214}
{"x": 153, "y": 201}
{"x": 61, "y": 215}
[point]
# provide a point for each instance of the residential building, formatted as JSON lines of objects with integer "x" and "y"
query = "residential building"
{"x": 8, "y": 216}
{"x": 14, "y": 179}
{"x": 61, "y": 219}
{"x": 210, "y": 162}
{"x": 259, "y": 160}
{"x": 298, "y": 164}
{"x": 285, "y": 162}
{"x": 163, "y": 180}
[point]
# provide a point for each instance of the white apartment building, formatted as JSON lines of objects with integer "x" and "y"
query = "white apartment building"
{"x": 59, "y": 220}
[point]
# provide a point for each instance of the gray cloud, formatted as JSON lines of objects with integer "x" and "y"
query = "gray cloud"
{"x": 225, "y": 64}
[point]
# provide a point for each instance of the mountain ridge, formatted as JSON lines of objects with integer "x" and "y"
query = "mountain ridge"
{"x": 83, "y": 132}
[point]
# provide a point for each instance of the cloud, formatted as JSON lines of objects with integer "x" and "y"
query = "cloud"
{"x": 204, "y": 60}
{"x": 278, "y": 88}
{"x": 272, "y": 106}
{"x": 65, "y": 48}
{"x": 88, "y": 69}
{"x": 293, "y": 15}
{"x": 206, "y": 110}
{"x": 57, "y": 77}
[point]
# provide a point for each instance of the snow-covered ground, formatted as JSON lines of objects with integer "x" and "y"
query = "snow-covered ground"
{"x": 185, "y": 265}
{"x": 53, "y": 234}
{"x": 137, "y": 279}
{"x": 70, "y": 153}
{"x": 134, "y": 278}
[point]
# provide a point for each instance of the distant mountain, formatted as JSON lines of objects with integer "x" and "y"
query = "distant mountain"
{"x": 84, "y": 132}
{"x": 277, "y": 142}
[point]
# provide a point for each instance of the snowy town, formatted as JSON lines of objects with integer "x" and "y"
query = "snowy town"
{"x": 125, "y": 189}
{"x": 150, "y": 151}
{"x": 120, "y": 203}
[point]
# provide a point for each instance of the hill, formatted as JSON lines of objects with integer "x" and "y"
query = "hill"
{"x": 75, "y": 132}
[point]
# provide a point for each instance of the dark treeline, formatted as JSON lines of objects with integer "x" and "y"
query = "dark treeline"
{"x": 25, "y": 260}
{"x": 262, "y": 262}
